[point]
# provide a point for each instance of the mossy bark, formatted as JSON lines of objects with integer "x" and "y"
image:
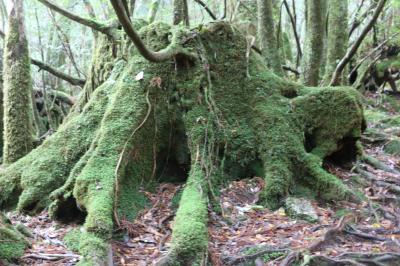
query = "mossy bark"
{"x": 115, "y": 142}
{"x": 267, "y": 36}
{"x": 338, "y": 36}
{"x": 314, "y": 44}
{"x": 18, "y": 130}
{"x": 181, "y": 12}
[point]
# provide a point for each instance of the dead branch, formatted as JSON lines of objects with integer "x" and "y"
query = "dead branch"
{"x": 244, "y": 258}
{"x": 353, "y": 49}
{"x": 351, "y": 230}
{"x": 168, "y": 53}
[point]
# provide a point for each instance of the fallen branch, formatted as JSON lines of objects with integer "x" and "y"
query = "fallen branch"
{"x": 351, "y": 230}
{"x": 50, "y": 256}
{"x": 244, "y": 258}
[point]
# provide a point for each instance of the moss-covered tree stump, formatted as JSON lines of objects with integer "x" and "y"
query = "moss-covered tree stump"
{"x": 218, "y": 116}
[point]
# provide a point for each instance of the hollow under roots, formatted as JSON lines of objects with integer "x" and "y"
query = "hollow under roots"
{"x": 206, "y": 113}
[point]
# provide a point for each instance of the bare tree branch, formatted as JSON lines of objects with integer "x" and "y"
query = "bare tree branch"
{"x": 296, "y": 36}
{"x": 353, "y": 49}
{"x": 108, "y": 30}
{"x": 52, "y": 70}
{"x": 207, "y": 9}
{"x": 160, "y": 56}
{"x": 58, "y": 74}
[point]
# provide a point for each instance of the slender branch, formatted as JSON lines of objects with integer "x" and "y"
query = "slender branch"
{"x": 108, "y": 30}
{"x": 207, "y": 9}
{"x": 52, "y": 70}
{"x": 358, "y": 19}
{"x": 171, "y": 51}
{"x": 353, "y": 49}
{"x": 58, "y": 74}
{"x": 296, "y": 36}
{"x": 371, "y": 53}
{"x": 65, "y": 43}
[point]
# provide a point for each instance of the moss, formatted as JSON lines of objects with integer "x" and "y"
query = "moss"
{"x": 12, "y": 243}
{"x": 18, "y": 130}
{"x": 190, "y": 234}
{"x": 93, "y": 249}
{"x": 242, "y": 115}
{"x": 384, "y": 65}
{"x": 72, "y": 239}
{"x": 393, "y": 147}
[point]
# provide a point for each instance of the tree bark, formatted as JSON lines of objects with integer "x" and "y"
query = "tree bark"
{"x": 314, "y": 44}
{"x": 337, "y": 37}
{"x": 113, "y": 142}
{"x": 181, "y": 12}
{"x": 18, "y": 129}
{"x": 267, "y": 36}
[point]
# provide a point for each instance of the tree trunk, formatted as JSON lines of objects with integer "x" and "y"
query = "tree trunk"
{"x": 120, "y": 137}
{"x": 153, "y": 11}
{"x": 267, "y": 36}
{"x": 337, "y": 37}
{"x": 314, "y": 45}
{"x": 181, "y": 12}
{"x": 18, "y": 135}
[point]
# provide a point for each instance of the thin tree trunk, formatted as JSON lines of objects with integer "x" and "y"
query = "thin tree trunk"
{"x": 181, "y": 12}
{"x": 337, "y": 37}
{"x": 153, "y": 11}
{"x": 267, "y": 37}
{"x": 313, "y": 50}
{"x": 17, "y": 89}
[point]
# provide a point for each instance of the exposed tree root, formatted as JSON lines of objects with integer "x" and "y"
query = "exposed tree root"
{"x": 379, "y": 165}
{"x": 235, "y": 126}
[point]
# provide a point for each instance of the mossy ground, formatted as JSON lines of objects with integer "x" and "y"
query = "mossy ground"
{"x": 231, "y": 110}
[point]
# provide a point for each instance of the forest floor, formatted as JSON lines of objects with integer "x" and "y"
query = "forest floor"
{"x": 245, "y": 233}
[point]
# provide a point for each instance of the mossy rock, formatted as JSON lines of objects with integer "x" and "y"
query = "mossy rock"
{"x": 302, "y": 209}
{"x": 12, "y": 242}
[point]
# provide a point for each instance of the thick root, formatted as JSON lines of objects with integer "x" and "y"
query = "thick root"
{"x": 190, "y": 232}
{"x": 301, "y": 133}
